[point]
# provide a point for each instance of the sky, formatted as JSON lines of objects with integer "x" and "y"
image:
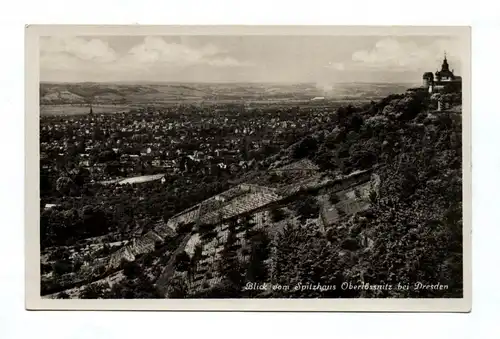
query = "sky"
{"x": 279, "y": 59}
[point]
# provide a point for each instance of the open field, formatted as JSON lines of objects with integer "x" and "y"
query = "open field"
{"x": 68, "y": 109}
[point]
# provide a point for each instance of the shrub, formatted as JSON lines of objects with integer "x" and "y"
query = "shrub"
{"x": 224, "y": 289}
{"x": 307, "y": 147}
{"x": 76, "y": 265}
{"x": 277, "y": 214}
{"x": 63, "y": 295}
{"x": 148, "y": 260}
{"x": 158, "y": 244}
{"x": 177, "y": 289}
{"x": 274, "y": 178}
{"x": 93, "y": 291}
{"x": 350, "y": 244}
{"x": 355, "y": 122}
{"x": 185, "y": 228}
{"x": 133, "y": 289}
{"x": 331, "y": 235}
{"x": 47, "y": 287}
{"x": 45, "y": 268}
{"x": 209, "y": 235}
{"x": 131, "y": 269}
{"x": 182, "y": 261}
{"x": 205, "y": 228}
{"x": 334, "y": 198}
{"x": 308, "y": 207}
{"x": 60, "y": 253}
{"x": 61, "y": 267}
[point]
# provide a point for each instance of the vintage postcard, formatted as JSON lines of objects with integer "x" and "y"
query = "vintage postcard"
{"x": 248, "y": 168}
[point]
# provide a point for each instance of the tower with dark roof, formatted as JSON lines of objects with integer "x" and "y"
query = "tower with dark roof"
{"x": 445, "y": 74}
{"x": 442, "y": 80}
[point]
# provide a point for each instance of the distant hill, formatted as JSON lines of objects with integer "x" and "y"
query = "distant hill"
{"x": 65, "y": 93}
{"x": 145, "y": 93}
{"x": 54, "y": 97}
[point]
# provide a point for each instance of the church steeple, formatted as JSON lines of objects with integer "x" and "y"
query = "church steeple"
{"x": 445, "y": 66}
{"x": 442, "y": 79}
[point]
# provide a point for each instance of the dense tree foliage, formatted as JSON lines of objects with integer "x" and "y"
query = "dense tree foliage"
{"x": 257, "y": 270}
{"x": 307, "y": 207}
{"x": 413, "y": 231}
{"x": 277, "y": 214}
{"x": 305, "y": 148}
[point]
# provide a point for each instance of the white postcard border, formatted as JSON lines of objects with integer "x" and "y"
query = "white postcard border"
{"x": 33, "y": 300}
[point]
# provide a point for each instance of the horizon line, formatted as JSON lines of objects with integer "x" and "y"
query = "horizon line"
{"x": 225, "y": 82}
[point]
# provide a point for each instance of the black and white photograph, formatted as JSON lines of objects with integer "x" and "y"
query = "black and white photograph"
{"x": 249, "y": 166}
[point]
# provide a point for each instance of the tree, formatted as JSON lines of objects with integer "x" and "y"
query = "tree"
{"x": 141, "y": 288}
{"x": 350, "y": 244}
{"x": 193, "y": 264}
{"x": 334, "y": 198}
{"x": 177, "y": 289}
{"x": 131, "y": 269}
{"x": 277, "y": 214}
{"x": 61, "y": 267}
{"x": 325, "y": 159}
{"x": 63, "y": 295}
{"x": 158, "y": 245}
{"x": 332, "y": 139}
{"x": 64, "y": 185}
{"x": 82, "y": 177}
{"x": 355, "y": 122}
{"x": 342, "y": 115}
{"x": 224, "y": 289}
{"x": 94, "y": 221}
{"x": 182, "y": 261}
{"x": 308, "y": 207}
{"x": 184, "y": 228}
{"x": 230, "y": 267}
{"x": 274, "y": 178}
{"x": 113, "y": 168}
{"x": 93, "y": 291}
{"x": 307, "y": 147}
{"x": 306, "y": 258}
{"x": 45, "y": 268}
{"x": 257, "y": 269}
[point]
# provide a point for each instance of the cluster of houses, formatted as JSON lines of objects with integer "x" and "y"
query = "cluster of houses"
{"x": 167, "y": 141}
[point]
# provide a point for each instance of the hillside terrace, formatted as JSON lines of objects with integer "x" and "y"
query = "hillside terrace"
{"x": 255, "y": 203}
{"x": 241, "y": 200}
{"x": 144, "y": 244}
{"x": 234, "y": 202}
{"x": 301, "y": 165}
{"x": 227, "y": 204}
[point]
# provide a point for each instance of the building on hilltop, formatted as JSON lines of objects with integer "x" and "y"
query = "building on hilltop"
{"x": 442, "y": 81}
